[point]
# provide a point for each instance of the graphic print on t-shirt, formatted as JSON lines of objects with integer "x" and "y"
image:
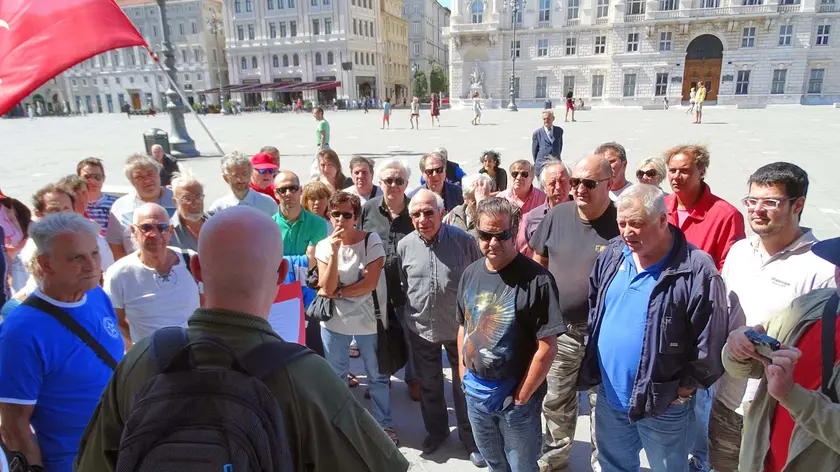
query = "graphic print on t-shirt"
{"x": 490, "y": 329}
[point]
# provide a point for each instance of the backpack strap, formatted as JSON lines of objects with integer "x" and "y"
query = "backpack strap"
{"x": 376, "y": 311}
{"x": 271, "y": 357}
{"x": 828, "y": 336}
{"x": 167, "y": 343}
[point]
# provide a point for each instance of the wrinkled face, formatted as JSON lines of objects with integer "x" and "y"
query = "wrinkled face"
{"x": 435, "y": 173}
{"x": 500, "y": 245}
{"x": 642, "y": 233}
{"x": 318, "y": 206}
{"x": 157, "y": 153}
{"x": 73, "y": 262}
{"x": 57, "y": 202}
{"x": 647, "y": 175}
{"x": 766, "y": 220}
{"x": 393, "y": 183}
{"x": 548, "y": 120}
{"x": 146, "y": 182}
{"x": 152, "y": 231}
{"x": 327, "y": 168}
{"x": 616, "y": 164}
{"x": 426, "y": 216}
{"x": 287, "y": 189}
{"x": 94, "y": 176}
{"x": 557, "y": 185}
{"x": 586, "y": 197}
{"x": 684, "y": 175}
{"x": 263, "y": 178}
{"x": 342, "y": 216}
{"x": 238, "y": 178}
{"x": 362, "y": 176}
{"x": 189, "y": 199}
{"x": 522, "y": 177}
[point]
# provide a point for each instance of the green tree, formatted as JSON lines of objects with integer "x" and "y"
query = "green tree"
{"x": 437, "y": 80}
{"x": 420, "y": 84}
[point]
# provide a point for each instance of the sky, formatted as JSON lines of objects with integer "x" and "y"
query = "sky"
{"x": 445, "y": 3}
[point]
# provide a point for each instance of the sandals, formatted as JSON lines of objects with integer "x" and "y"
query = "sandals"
{"x": 392, "y": 435}
{"x": 352, "y": 381}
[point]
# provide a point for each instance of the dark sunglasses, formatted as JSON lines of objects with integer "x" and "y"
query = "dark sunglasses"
{"x": 391, "y": 182}
{"x": 650, "y": 173}
{"x": 267, "y": 171}
{"x": 500, "y": 236}
{"x": 588, "y": 183}
{"x": 436, "y": 170}
{"x": 290, "y": 188}
{"x": 96, "y": 177}
{"x": 148, "y": 227}
{"x": 516, "y": 174}
{"x": 341, "y": 214}
{"x": 426, "y": 213}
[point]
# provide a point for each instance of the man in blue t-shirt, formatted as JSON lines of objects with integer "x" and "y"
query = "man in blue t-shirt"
{"x": 52, "y": 380}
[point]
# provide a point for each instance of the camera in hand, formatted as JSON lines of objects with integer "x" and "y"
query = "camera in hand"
{"x": 764, "y": 345}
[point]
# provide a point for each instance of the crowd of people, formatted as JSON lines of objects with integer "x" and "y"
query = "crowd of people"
{"x": 705, "y": 348}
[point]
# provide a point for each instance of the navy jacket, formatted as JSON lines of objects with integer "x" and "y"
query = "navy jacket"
{"x": 542, "y": 147}
{"x": 452, "y": 195}
{"x": 685, "y": 331}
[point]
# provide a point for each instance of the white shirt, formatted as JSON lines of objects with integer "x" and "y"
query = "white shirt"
{"x": 261, "y": 202}
{"x": 377, "y": 191}
{"x": 121, "y": 217}
{"x": 614, "y": 194}
{"x": 548, "y": 131}
{"x": 151, "y": 301}
{"x": 760, "y": 286}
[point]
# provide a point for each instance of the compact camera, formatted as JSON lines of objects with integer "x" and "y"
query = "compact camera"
{"x": 764, "y": 345}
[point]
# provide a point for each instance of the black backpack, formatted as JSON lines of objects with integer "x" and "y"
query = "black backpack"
{"x": 188, "y": 418}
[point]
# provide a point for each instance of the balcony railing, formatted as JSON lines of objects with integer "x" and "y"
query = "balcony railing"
{"x": 634, "y": 18}
{"x": 789, "y": 8}
{"x": 601, "y": 21}
{"x": 828, "y": 8}
{"x": 544, "y": 24}
{"x": 573, "y": 22}
{"x": 470, "y": 27}
{"x": 720, "y": 11}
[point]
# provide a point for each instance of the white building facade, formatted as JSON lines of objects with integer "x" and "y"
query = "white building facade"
{"x": 103, "y": 84}
{"x": 749, "y": 53}
{"x": 427, "y": 20}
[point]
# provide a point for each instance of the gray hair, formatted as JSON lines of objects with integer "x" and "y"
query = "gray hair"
{"x": 656, "y": 164}
{"x": 650, "y": 197}
{"x": 495, "y": 207}
{"x": 468, "y": 183}
{"x": 397, "y": 164}
{"x": 427, "y": 156}
{"x": 443, "y": 152}
{"x": 236, "y": 159}
{"x": 426, "y": 192}
{"x": 185, "y": 177}
{"x": 551, "y": 162}
{"x": 44, "y": 230}
{"x": 548, "y": 112}
{"x": 140, "y": 161}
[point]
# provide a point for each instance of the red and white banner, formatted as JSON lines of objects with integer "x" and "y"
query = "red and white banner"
{"x": 286, "y": 315}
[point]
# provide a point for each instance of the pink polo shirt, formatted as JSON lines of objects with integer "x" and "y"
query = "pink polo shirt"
{"x": 535, "y": 199}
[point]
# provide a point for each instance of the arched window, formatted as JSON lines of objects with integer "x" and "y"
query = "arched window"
{"x": 317, "y": 58}
{"x": 295, "y": 60}
{"x": 330, "y": 58}
{"x": 477, "y": 10}
{"x": 254, "y": 62}
{"x": 367, "y": 58}
{"x": 357, "y": 58}
{"x": 275, "y": 61}
{"x": 285, "y": 60}
{"x": 373, "y": 59}
{"x": 244, "y": 63}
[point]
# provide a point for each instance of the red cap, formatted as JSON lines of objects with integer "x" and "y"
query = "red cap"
{"x": 263, "y": 160}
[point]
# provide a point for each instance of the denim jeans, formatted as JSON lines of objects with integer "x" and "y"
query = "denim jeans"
{"x": 510, "y": 440}
{"x": 666, "y": 439}
{"x": 700, "y": 443}
{"x": 336, "y": 351}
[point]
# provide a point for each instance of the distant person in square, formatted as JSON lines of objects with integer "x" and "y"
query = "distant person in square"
{"x": 570, "y": 104}
{"x": 386, "y": 114}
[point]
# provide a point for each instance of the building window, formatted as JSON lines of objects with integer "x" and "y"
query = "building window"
{"x": 84, "y": 82}
{"x": 295, "y": 60}
{"x": 545, "y": 10}
{"x": 317, "y": 58}
{"x": 366, "y": 28}
{"x": 516, "y": 87}
{"x": 291, "y": 3}
{"x": 785, "y": 35}
{"x": 633, "y": 42}
{"x": 183, "y": 55}
{"x": 778, "y": 85}
{"x": 237, "y": 6}
{"x": 603, "y": 9}
{"x": 326, "y": 3}
{"x": 542, "y": 48}
{"x": 417, "y": 10}
{"x": 285, "y": 60}
{"x": 629, "y": 89}
{"x": 542, "y": 87}
{"x": 356, "y": 58}
{"x": 194, "y": 28}
{"x": 600, "y": 44}
{"x": 250, "y": 31}
{"x": 186, "y": 77}
{"x": 328, "y": 26}
{"x": 282, "y": 29}
{"x": 373, "y": 59}
{"x": 742, "y": 84}
{"x": 355, "y": 27}
{"x": 665, "y": 41}
{"x": 515, "y": 48}
{"x": 316, "y": 26}
{"x": 661, "y": 88}
{"x": 293, "y": 28}
{"x": 249, "y": 5}
{"x": 571, "y": 46}
{"x": 115, "y": 58}
{"x": 709, "y": 3}
{"x": 477, "y": 10}
{"x": 240, "y": 32}
{"x": 573, "y": 10}
{"x": 822, "y": 34}
{"x": 254, "y": 62}
{"x": 568, "y": 83}
{"x": 270, "y": 4}
{"x": 748, "y": 39}
{"x": 215, "y": 55}
{"x": 668, "y": 5}
{"x": 314, "y": 3}
{"x": 330, "y": 58}
{"x": 101, "y": 61}
{"x": 815, "y": 81}
{"x": 275, "y": 61}
{"x": 104, "y": 81}
{"x": 272, "y": 30}
{"x": 518, "y": 17}
{"x": 117, "y": 80}
{"x": 279, "y": 4}
{"x": 416, "y": 49}
{"x": 243, "y": 63}
{"x": 415, "y": 27}
{"x": 636, "y": 7}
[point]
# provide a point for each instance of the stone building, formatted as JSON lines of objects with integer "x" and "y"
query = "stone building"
{"x": 395, "y": 30}
{"x": 636, "y": 52}
{"x": 427, "y": 44}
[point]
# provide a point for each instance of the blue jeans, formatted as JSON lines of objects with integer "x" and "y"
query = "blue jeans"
{"x": 700, "y": 444}
{"x": 666, "y": 439}
{"x": 336, "y": 351}
{"x": 510, "y": 440}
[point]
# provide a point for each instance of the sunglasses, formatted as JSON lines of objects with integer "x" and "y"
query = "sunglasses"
{"x": 96, "y": 177}
{"x": 290, "y": 188}
{"x": 500, "y": 236}
{"x": 436, "y": 170}
{"x": 147, "y": 228}
{"x": 588, "y": 183}
{"x": 516, "y": 174}
{"x": 267, "y": 171}
{"x": 394, "y": 182}
{"x": 425, "y": 213}
{"x": 650, "y": 173}
{"x": 341, "y": 214}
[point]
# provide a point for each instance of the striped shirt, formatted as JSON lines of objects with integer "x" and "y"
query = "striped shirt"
{"x": 98, "y": 210}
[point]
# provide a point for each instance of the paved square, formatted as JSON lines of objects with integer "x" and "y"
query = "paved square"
{"x": 41, "y": 151}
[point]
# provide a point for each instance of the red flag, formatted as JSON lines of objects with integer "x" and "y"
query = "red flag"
{"x": 39, "y": 39}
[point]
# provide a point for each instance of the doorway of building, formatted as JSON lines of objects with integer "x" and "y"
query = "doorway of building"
{"x": 703, "y": 62}
{"x": 135, "y": 101}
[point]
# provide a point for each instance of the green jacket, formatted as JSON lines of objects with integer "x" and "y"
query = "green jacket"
{"x": 815, "y": 443}
{"x": 328, "y": 430}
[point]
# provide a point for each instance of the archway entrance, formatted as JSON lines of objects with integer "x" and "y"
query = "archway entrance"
{"x": 703, "y": 61}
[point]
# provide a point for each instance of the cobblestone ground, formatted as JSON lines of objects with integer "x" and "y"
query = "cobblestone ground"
{"x": 40, "y": 151}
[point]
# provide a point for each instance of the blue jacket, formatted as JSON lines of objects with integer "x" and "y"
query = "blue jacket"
{"x": 452, "y": 195}
{"x": 685, "y": 331}
{"x": 542, "y": 147}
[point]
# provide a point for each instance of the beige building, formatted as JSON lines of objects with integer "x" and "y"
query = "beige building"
{"x": 395, "y": 31}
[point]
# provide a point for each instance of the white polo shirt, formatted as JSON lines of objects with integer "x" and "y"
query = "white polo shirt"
{"x": 759, "y": 286}
{"x": 261, "y": 202}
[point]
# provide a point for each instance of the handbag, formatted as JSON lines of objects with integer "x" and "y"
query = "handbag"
{"x": 321, "y": 309}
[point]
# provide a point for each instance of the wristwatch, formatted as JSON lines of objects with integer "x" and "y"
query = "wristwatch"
{"x": 683, "y": 400}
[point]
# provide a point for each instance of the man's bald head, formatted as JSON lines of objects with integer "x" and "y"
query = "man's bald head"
{"x": 240, "y": 260}
{"x": 286, "y": 176}
{"x": 595, "y": 166}
{"x": 150, "y": 211}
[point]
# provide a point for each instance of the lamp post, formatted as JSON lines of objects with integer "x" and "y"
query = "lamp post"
{"x": 215, "y": 26}
{"x": 515, "y": 6}
{"x": 182, "y": 145}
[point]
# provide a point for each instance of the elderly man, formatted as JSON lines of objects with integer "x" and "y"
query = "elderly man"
{"x": 142, "y": 172}
{"x": 273, "y": 152}
{"x": 567, "y": 242}
{"x": 507, "y": 338}
{"x": 77, "y": 187}
{"x": 361, "y": 172}
{"x": 240, "y": 262}
{"x": 555, "y": 180}
{"x": 657, "y": 325}
{"x": 262, "y": 175}
{"x": 52, "y": 380}
{"x": 168, "y": 164}
{"x": 764, "y": 273}
{"x": 454, "y": 173}
{"x": 522, "y": 192}
{"x": 237, "y": 170}
{"x": 546, "y": 141}
{"x": 99, "y": 204}
{"x": 617, "y": 156}
{"x": 431, "y": 260}
{"x": 153, "y": 287}
{"x": 189, "y": 217}
{"x": 387, "y": 216}
{"x": 475, "y": 188}
{"x": 433, "y": 167}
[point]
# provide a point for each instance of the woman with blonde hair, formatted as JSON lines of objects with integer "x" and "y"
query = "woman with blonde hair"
{"x": 315, "y": 199}
{"x": 329, "y": 166}
{"x": 651, "y": 171}
{"x": 415, "y": 113}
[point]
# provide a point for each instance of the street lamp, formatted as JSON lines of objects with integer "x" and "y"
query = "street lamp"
{"x": 182, "y": 145}
{"x": 215, "y": 26}
{"x": 515, "y": 6}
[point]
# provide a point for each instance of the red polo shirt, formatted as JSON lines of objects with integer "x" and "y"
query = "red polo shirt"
{"x": 266, "y": 191}
{"x": 713, "y": 225}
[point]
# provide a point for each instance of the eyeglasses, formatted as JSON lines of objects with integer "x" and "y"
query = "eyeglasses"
{"x": 436, "y": 170}
{"x": 267, "y": 171}
{"x": 517, "y": 174}
{"x": 147, "y": 228}
{"x": 588, "y": 183}
{"x": 187, "y": 199}
{"x": 426, "y": 213}
{"x": 239, "y": 176}
{"x": 341, "y": 214}
{"x": 290, "y": 188}
{"x": 650, "y": 173}
{"x": 394, "y": 182}
{"x": 500, "y": 236}
{"x": 767, "y": 203}
{"x": 96, "y": 177}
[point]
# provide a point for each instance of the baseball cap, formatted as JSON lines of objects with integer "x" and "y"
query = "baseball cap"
{"x": 828, "y": 250}
{"x": 263, "y": 160}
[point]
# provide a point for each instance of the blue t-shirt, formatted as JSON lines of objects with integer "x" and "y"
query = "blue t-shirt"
{"x": 623, "y": 328}
{"x": 43, "y": 364}
{"x": 387, "y": 108}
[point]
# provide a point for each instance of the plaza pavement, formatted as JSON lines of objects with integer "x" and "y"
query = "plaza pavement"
{"x": 41, "y": 151}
